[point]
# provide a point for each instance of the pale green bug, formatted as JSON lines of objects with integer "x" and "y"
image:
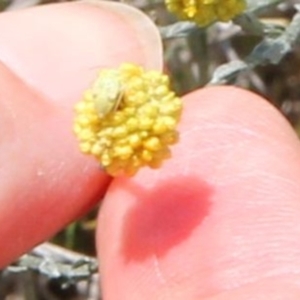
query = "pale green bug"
{"x": 108, "y": 92}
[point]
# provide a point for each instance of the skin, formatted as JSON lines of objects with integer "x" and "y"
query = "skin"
{"x": 220, "y": 220}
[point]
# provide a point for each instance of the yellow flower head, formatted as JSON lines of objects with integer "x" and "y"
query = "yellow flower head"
{"x": 128, "y": 119}
{"x": 204, "y": 12}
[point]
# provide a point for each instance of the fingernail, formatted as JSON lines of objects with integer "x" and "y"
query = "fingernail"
{"x": 146, "y": 31}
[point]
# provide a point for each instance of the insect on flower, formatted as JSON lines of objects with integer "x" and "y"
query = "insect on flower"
{"x": 110, "y": 92}
{"x": 127, "y": 119}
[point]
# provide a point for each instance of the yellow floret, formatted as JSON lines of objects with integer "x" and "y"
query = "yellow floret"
{"x": 128, "y": 119}
{"x": 205, "y": 12}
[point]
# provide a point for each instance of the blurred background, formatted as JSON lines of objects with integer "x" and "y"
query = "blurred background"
{"x": 192, "y": 57}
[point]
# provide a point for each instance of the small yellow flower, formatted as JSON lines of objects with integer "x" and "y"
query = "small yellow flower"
{"x": 204, "y": 12}
{"x": 128, "y": 119}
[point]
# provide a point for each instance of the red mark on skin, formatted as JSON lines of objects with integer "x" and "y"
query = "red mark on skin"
{"x": 164, "y": 217}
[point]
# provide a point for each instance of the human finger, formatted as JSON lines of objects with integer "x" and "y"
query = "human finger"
{"x": 49, "y": 55}
{"x": 224, "y": 212}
